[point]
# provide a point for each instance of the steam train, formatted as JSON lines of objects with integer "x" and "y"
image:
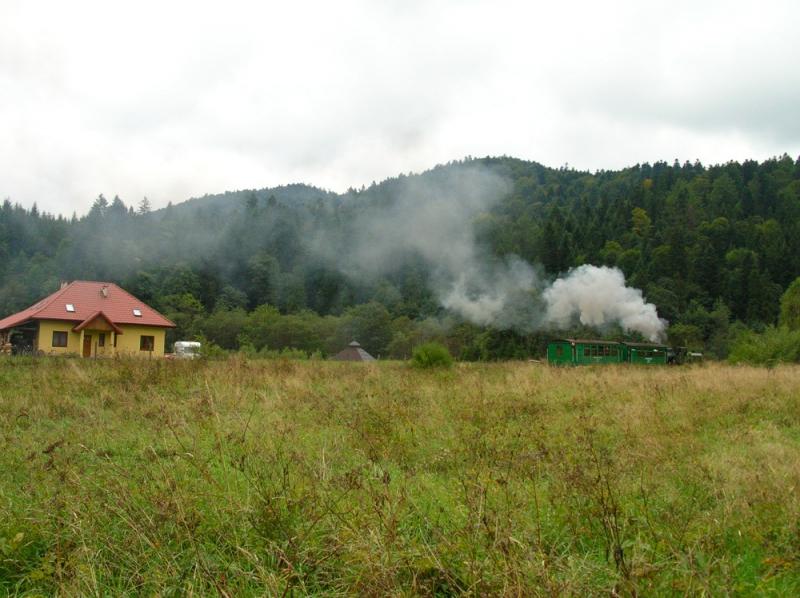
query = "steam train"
{"x": 574, "y": 351}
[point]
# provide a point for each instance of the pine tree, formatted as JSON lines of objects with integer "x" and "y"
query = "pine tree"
{"x": 144, "y": 206}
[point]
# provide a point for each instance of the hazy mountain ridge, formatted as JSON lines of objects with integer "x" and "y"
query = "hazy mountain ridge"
{"x": 294, "y": 193}
{"x": 709, "y": 246}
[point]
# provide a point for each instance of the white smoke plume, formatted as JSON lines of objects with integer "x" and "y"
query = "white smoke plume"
{"x": 502, "y": 295}
{"x": 433, "y": 218}
{"x": 596, "y": 297}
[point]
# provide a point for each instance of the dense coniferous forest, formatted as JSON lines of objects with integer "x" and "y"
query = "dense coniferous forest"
{"x": 713, "y": 247}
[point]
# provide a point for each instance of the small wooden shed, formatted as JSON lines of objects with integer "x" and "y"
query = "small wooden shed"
{"x": 353, "y": 352}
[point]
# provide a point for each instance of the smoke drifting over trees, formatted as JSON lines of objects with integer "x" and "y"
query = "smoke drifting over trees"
{"x": 435, "y": 220}
{"x": 598, "y": 297}
{"x": 468, "y": 253}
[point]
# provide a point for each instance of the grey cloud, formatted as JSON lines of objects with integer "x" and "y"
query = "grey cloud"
{"x": 180, "y": 99}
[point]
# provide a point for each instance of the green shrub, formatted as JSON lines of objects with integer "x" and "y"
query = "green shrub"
{"x": 774, "y": 345}
{"x": 431, "y": 355}
{"x": 285, "y": 353}
{"x": 211, "y": 350}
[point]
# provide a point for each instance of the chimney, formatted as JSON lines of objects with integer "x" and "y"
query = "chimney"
{"x": 104, "y": 290}
{"x": 64, "y": 283}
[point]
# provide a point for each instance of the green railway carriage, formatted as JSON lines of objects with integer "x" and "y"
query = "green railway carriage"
{"x": 646, "y": 353}
{"x": 575, "y": 351}
{"x": 588, "y": 351}
{"x": 561, "y": 352}
{"x": 571, "y": 351}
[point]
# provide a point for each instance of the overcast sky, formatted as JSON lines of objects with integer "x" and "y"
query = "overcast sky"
{"x": 176, "y": 99}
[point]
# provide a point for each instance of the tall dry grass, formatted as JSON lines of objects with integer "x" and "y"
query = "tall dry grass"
{"x": 305, "y": 478}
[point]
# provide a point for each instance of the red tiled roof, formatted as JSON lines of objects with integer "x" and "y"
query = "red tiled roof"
{"x": 116, "y": 304}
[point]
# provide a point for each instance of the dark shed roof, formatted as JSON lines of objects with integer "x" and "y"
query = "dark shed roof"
{"x": 353, "y": 352}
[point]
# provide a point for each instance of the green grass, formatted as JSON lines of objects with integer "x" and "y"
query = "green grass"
{"x": 280, "y": 477}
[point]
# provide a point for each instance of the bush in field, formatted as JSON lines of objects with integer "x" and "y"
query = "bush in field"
{"x": 431, "y": 355}
{"x": 774, "y": 345}
{"x": 790, "y": 306}
{"x": 211, "y": 350}
{"x": 285, "y": 353}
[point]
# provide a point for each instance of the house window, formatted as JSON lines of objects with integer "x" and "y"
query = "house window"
{"x": 59, "y": 338}
{"x": 587, "y": 351}
{"x": 137, "y": 313}
{"x": 147, "y": 343}
{"x": 70, "y": 307}
{"x": 101, "y": 340}
{"x": 559, "y": 351}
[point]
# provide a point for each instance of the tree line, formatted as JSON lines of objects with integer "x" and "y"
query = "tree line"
{"x": 713, "y": 247}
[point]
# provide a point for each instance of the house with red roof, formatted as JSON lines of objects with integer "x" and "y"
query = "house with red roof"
{"x": 87, "y": 318}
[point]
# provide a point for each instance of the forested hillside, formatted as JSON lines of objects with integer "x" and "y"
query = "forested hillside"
{"x": 714, "y": 248}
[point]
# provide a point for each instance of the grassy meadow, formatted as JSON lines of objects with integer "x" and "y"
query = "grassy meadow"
{"x": 250, "y": 478}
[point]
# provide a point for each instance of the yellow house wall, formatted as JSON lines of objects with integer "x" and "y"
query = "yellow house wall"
{"x": 127, "y": 343}
{"x": 45, "y": 340}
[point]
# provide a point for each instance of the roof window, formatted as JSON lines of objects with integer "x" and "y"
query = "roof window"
{"x": 70, "y": 307}
{"x": 137, "y": 313}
